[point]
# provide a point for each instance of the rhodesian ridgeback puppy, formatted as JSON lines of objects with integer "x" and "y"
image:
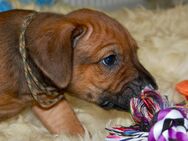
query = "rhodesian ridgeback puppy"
{"x": 86, "y": 53}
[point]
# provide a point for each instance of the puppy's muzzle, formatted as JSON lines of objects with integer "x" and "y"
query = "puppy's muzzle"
{"x": 121, "y": 100}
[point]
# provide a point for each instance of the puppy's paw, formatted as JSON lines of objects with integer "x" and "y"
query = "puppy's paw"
{"x": 60, "y": 119}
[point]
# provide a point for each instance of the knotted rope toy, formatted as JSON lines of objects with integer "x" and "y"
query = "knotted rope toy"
{"x": 155, "y": 120}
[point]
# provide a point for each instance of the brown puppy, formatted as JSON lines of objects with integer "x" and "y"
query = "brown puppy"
{"x": 85, "y": 52}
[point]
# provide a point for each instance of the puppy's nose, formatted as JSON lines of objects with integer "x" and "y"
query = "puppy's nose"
{"x": 147, "y": 80}
{"x": 140, "y": 82}
{"x": 145, "y": 77}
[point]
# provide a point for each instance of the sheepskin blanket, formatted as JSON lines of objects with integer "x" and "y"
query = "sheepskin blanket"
{"x": 163, "y": 40}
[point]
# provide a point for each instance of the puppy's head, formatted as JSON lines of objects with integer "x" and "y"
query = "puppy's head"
{"x": 94, "y": 57}
{"x": 106, "y": 69}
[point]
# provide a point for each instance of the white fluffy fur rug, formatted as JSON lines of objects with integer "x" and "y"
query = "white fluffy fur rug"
{"x": 163, "y": 40}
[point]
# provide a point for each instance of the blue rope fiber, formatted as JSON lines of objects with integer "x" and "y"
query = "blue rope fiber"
{"x": 6, "y": 5}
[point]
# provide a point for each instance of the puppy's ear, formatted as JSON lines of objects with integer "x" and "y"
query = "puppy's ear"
{"x": 78, "y": 33}
{"x": 53, "y": 52}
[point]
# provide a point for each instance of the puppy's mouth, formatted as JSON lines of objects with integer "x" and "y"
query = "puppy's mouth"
{"x": 121, "y": 100}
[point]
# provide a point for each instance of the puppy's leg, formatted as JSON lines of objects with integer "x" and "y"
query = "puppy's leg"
{"x": 60, "y": 119}
{"x": 10, "y": 106}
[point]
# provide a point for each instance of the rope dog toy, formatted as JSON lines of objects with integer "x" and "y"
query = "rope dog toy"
{"x": 154, "y": 120}
{"x": 170, "y": 124}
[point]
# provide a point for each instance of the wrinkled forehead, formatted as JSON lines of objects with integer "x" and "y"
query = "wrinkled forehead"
{"x": 102, "y": 30}
{"x": 100, "y": 22}
{"x": 109, "y": 36}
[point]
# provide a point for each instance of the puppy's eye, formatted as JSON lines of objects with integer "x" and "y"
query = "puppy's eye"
{"x": 110, "y": 60}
